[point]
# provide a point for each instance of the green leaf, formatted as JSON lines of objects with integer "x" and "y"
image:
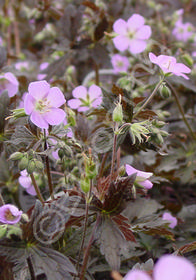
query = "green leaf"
{"x": 111, "y": 241}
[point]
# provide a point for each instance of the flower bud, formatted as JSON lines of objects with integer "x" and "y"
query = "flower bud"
{"x": 187, "y": 59}
{"x": 91, "y": 171}
{"x": 164, "y": 91}
{"x": 158, "y": 124}
{"x": 121, "y": 171}
{"x": 3, "y": 230}
{"x": 18, "y": 113}
{"x": 85, "y": 184}
{"x": 13, "y": 230}
{"x": 23, "y": 163}
{"x": 31, "y": 166}
{"x": 16, "y": 156}
{"x": 39, "y": 165}
{"x": 117, "y": 115}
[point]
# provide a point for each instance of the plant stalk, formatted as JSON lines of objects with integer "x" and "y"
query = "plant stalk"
{"x": 31, "y": 269}
{"x": 148, "y": 99}
{"x": 36, "y": 188}
{"x": 181, "y": 111}
{"x": 48, "y": 169}
{"x": 88, "y": 249}
{"x": 2, "y": 202}
{"x": 114, "y": 152}
{"x": 85, "y": 225}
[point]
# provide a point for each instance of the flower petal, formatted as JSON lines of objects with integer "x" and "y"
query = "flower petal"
{"x": 141, "y": 175}
{"x": 74, "y": 103}
{"x": 143, "y": 33}
{"x": 25, "y": 181}
{"x": 135, "y": 22}
{"x": 180, "y": 67}
{"x": 137, "y": 46}
{"x": 31, "y": 190}
{"x": 55, "y": 116}
{"x": 146, "y": 184}
{"x": 94, "y": 92}
{"x": 120, "y": 26}
{"x": 13, "y": 210}
{"x": 83, "y": 109}
{"x": 137, "y": 274}
{"x": 29, "y": 104}
{"x": 38, "y": 120}
{"x": 11, "y": 78}
{"x": 121, "y": 42}
{"x": 172, "y": 267}
{"x": 97, "y": 102}
{"x": 80, "y": 92}
{"x": 39, "y": 89}
{"x": 152, "y": 57}
{"x": 56, "y": 97}
{"x": 171, "y": 219}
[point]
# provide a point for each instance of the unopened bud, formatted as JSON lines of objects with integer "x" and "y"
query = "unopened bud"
{"x": 117, "y": 115}
{"x": 164, "y": 91}
{"x": 187, "y": 59}
{"x": 31, "y": 166}
{"x": 16, "y": 156}
{"x": 158, "y": 124}
{"x": 38, "y": 165}
{"x": 91, "y": 171}
{"x": 71, "y": 70}
{"x": 13, "y": 230}
{"x": 122, "y": 171}
{"x": 85, "y": 184}
{"x": 3, "y": 230}
{"x": 23, "y": 163}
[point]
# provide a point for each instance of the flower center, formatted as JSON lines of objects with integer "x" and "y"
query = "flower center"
{"x": 43, "y": 106}
{"x": 9, "y": 216}
{"x": 167, "y": 64}
{"x": 119, "y": 64}
{"x": 86, "y": 102}
{"x": 131, "y": 34}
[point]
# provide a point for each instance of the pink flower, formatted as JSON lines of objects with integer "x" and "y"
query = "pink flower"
{"x": 120, "y": 63}
{"x": 22, "y": 65}
{"x": 9, "y": 214}
{"x": 85, "y": 99}
{"x": 9, "y": 82}
{"x": 132, "y": 35}
{"x": 171, "y": 219}
{"x": 42, "y": 104}
{"x": 168, "y": 64}
{"x": 25, "y": 182}
{"x": 137, "y": 275}
{"x": 170, "y": 267}
{"x": 141, "y": 178}
{"x": 183, "y": 31}
{"x": 42, "y": 67}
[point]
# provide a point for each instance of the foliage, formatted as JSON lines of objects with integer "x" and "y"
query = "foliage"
{"x": 86, "y": 89}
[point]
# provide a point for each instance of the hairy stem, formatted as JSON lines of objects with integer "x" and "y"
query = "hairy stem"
{"x": 181, "y": 111}
{"x": 148, "y": 99}
{"x": 113, "y": 153}
{"x": 31, "y": 269}
{"x": 104, "y": 158}
{"x": 48, "y": 169}
{"x": 36, "y": 188}
{"x": 2, "y": 202}
{"x": 96, "y": 74}
{"x": 86, "y": 255}
{"x": 85, "y": 225}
